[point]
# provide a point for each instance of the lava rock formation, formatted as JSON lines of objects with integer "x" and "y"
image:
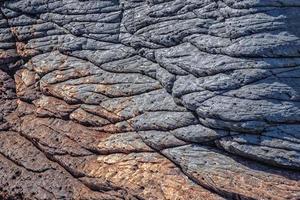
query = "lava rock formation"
{"x": 150, "y": 99}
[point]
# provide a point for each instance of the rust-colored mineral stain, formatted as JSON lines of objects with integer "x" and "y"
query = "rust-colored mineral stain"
{"x": 23, "y": 50}
{"x": 3, "y": 55}
{"x": 147, "y": 174}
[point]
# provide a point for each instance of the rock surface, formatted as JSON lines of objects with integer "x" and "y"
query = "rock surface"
{"x": 150, "y": 99}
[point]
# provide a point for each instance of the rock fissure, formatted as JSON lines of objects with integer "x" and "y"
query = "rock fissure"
{"x": 149, "y": 99}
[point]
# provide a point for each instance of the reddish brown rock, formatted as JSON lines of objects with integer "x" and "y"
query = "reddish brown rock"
{"x": 195, "y": 99}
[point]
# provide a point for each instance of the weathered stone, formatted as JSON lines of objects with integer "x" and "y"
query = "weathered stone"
{"x": 149, "y": 99}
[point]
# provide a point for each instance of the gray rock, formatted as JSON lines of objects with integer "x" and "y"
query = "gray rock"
{"x": 149, "y": 99}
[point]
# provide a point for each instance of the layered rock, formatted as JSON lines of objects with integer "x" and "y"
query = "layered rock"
{"x": 125, "y": 99}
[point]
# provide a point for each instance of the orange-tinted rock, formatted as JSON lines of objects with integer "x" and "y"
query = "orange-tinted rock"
{"x": 195, "y": 99}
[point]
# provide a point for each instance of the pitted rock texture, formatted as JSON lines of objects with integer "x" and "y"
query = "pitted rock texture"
{"x": 150, "y": 99}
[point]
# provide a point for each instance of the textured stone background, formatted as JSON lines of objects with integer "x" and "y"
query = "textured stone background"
{"x": 150, "y": 99}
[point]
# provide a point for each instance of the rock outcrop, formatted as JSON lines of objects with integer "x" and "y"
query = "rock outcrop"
{"x": 150, "y": 99}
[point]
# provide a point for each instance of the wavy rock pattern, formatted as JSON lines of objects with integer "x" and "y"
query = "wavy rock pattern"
{"x": 150, "y": 99}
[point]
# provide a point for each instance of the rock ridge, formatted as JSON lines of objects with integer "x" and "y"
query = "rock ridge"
{"x": 150, "y": 99}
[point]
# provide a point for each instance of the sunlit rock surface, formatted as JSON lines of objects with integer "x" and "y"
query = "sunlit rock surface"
{"x": 150, "y": 99}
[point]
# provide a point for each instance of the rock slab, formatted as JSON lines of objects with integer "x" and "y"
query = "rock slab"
{"x": 150, "y": 99}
